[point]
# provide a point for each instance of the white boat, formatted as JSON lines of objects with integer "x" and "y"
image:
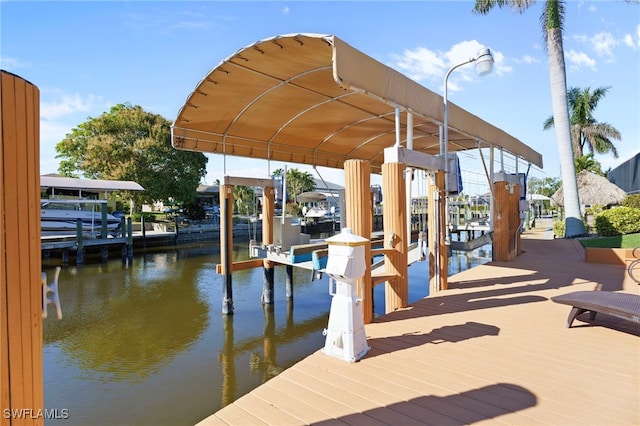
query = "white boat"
{"x": 317, "y": 206}
{"x": 321, "y": 210}
{"x": 58, "y": 216}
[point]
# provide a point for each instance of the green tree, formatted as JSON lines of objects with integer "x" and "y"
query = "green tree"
{"x": 128, "y": 143}
{"x": 587, "y": 162}
{"x": 586, "y": 131}
{"x": 297, "y": 182}
{"x": 244, "y": 197}
{"x": 547, "y": 186}
{"x": 552, "y": 21}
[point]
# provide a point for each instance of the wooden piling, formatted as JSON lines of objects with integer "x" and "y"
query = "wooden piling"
{"x": 289, "y": 283}
{"x": 129, "y": 238}
{"x": 103, "y": 223}
{"x": 506, "y": 219}
{"x": 21, "y": 376}
{"x": 123, "y": 232}
{"x": 438, "y": 250}
{"x": 143, "y": 228}
{"x": 359, "y": 211}
{"x": 268, "y": 208}
{"x": 79, "y": 243}
{"x": 226, "y": 246}
{"x": 395, "y": 238}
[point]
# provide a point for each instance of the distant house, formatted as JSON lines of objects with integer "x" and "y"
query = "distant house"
{"x": 56, "y": 186}
{"x": 210, "y": 194}
{"x": 627, "y": 175}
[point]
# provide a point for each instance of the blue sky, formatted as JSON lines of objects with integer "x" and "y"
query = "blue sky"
{"x": 88, "y": 56}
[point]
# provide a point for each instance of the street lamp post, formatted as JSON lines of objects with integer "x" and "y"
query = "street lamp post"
{"x": 484, "y": 65}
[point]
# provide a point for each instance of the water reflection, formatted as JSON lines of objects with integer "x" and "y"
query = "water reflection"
{"x": 146, "y": 343}
{"x": 124, "y": 324}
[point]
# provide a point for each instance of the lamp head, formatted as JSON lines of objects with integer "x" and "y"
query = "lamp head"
{"x": 484, "y": 62}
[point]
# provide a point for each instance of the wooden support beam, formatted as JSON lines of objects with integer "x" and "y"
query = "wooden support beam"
{"x": 438, "y": 250}
{"x": 359, "y": 210}
{"x": 247, "y": 181}
{"x": 241, "y": 265}
{"x": 268, "y": 213}
{"x": 501, "y": 221}
{"x": 383, "y": 251}
{"x": 226, "y": 246}
{"x": 395, "y": 228}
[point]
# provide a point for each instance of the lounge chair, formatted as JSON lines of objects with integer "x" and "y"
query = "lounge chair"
{"x": 621, "y": 305}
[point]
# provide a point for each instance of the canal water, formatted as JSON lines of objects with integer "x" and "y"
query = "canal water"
{"x": 145, "y": 342}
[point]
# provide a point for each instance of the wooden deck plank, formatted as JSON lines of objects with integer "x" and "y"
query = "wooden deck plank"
{"x": 264, "y": 411}
{"x": 549, "y": 375}
{"x": 472, "y": 377}
{"x": 358, "y": 402}
{"x": 491, "y": 349}
{"x": 304, "y": 407}
{"x": 381, "y": 395}
{"x": 383, "y": 390}
{"x": 232, "y": 415}
{"x": 330, "y": 407}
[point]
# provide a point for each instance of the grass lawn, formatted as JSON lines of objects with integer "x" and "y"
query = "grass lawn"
{"x": 619, "y": 241}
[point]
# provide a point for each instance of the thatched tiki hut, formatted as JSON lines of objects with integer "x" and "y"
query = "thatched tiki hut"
{"x": 592, "y": 190}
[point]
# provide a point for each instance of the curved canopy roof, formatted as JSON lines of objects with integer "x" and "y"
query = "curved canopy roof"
{"x": 313, "y": 99}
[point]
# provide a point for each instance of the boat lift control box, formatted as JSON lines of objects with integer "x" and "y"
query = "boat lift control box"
{"x": 346, "y": 264}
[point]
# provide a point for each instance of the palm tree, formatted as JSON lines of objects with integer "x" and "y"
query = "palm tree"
{"x": 587, "y": 162}
{"x": 244, "y": 197}
{"x": 299, "y": 182}
{"x": 585, "y": 130}
{"x": 552, "y": 20}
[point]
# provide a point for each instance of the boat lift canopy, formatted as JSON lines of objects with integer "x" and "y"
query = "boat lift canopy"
{"x": 313, "y": 99}
{"x": 88, "y": 185}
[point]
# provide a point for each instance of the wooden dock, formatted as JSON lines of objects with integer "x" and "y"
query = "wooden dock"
{"x": 491, "y": 349}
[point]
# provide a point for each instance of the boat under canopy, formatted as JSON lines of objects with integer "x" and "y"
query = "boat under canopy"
{"x": 61, "y": 216}
{"x": 314, "y": 99}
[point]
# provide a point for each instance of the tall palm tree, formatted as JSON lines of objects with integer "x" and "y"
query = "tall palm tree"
{"x": 552, "y": 20}
{"x": 585, "y": 129}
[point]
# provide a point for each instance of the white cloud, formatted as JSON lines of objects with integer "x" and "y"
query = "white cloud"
{"x": 285, "y": 10}
{"x": 63, "y": 105}
{"x": 60, "y": 112}
{"x": 579, "y": 60}
{"x": 603, "y": 44}
{"x": 9, "y": 63}
{"x": 582, "y": 38}
{"x": 527, "y": 59}
{"x": 422, "y": 64}
{"x": 632, "y": 42}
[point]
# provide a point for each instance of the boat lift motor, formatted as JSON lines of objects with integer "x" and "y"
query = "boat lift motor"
{"x": 346, "y": 264}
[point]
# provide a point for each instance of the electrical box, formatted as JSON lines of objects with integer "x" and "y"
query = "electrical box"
{"x": 346, "y": 256}
{"x": 346, "y": 264}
